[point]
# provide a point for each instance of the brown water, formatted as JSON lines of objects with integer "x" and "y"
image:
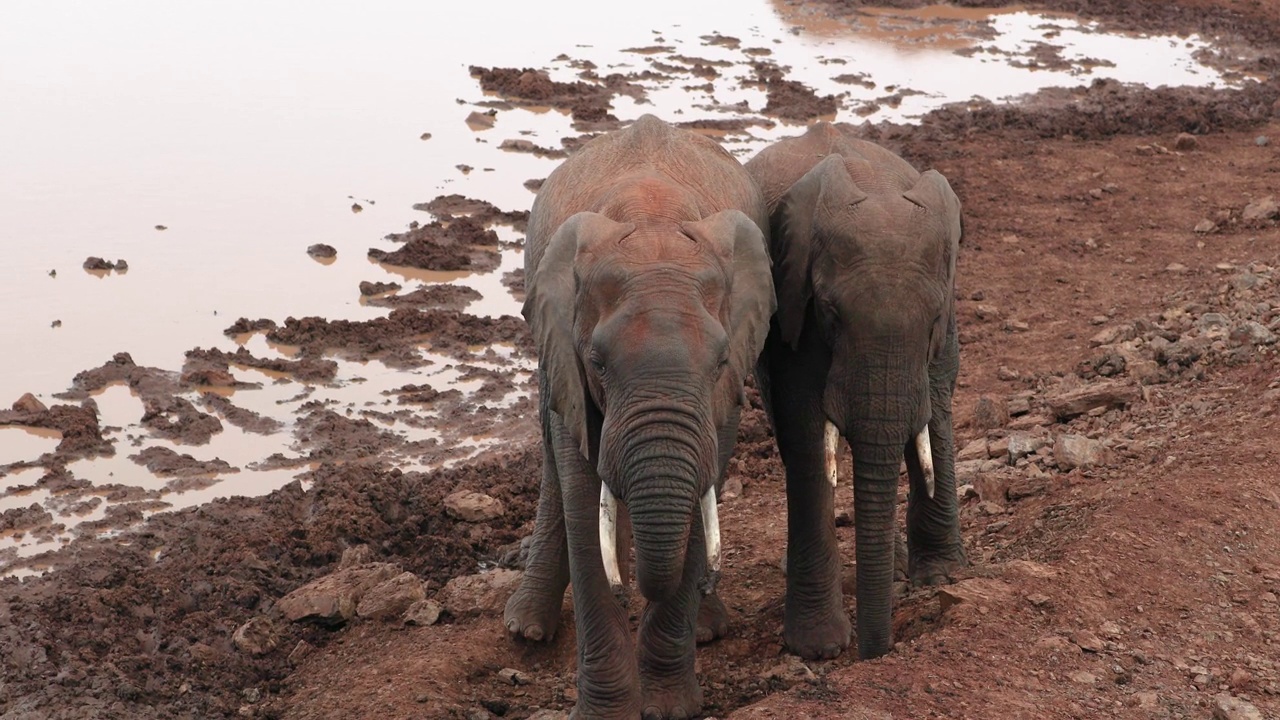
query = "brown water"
{"x": 247, "y": 132}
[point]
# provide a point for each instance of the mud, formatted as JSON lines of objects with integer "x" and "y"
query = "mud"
{"x": 465, "y": 243}
{"x": 1140, "y": 581}
{"x": 792, "y": 100}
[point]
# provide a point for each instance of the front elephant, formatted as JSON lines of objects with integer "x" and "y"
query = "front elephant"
{"x": 863, "y": 347}
{"x": 649, "y": 295}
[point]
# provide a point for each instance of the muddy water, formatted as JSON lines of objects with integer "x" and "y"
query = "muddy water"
{"x": 209, "y": 144}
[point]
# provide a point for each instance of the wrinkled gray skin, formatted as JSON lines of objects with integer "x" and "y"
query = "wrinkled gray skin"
{"x": 649, "y": 295}
{"x": 864, "y": 252}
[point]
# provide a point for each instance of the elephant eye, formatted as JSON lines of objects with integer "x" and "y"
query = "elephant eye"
{"x": 597, "y": 363}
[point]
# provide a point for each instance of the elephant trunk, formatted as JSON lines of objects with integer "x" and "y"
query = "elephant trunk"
{"x": 882, "y": 404}
{"x": 662, "y": 471}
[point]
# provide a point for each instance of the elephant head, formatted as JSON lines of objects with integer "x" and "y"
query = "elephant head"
{"x": 646, "y": 333}
{"x": 873, "y": 269}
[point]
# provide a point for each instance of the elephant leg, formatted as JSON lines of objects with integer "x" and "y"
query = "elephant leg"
{"x": 666, "y": 645}
{"x": 935, "y": 550}
{"x": 533, "y": 611}
{"x": 815, "y": 624}
{"x": 608, "y": 685}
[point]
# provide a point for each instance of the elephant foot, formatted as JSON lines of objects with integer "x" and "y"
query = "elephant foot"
{"x": 937, "y": 568}
{"x": 533, "y": 613}
{"x": 672, "y": 702}
{"x": 713, "y": 619}
{"x": 815, "y": 637}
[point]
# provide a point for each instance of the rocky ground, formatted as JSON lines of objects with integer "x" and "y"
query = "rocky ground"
{"x": 1119, "y": 298}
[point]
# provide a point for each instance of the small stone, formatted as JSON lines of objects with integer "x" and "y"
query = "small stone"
{"x": 96, "y": 263}
{"x": 1146, "y": 699}
{"x": 122, "y": 266}
{"x": 1229, "y": 707}
{"x": 1078, "y": 451}
{"x": 991, "y": 488}
{"x": 300, "y": 651}
{"x": 356, "y": 208}
{"x": 1053, "y": 643}
{"x": 1096, "y": 193}
{"x": 1027, "y": 487}
{"x": 1110, "y": 630}
{"x": 1016, "y": 326}
{"x": 1020, "y": 404}
{"x": 1253, "y": 333}
{"x": 1106, "y": 394}
{"x": 1087, "y": 641}
{"x": 482, "y": 120}
{"x": 732, "y": 488}
{"x": 990, "y": 508}
{"x": 321, "y": 251}
{"x": 986, "y": 312}
{"x": 256, "y": 637}
{"x": 964, "y": 492}
{"x": 28, "y": 403}
{"x": 1082, "y": 677}
{"x": 997, "y": 526}
{"x": 513, "y": 676}
{"x": 1185, "y": 141}
{"x": 790, "y": 672}
{"x": 423, "y": 612}
{"x": 471, "y": 506}
{"x": 392, "y": 598}
{"x": 1205, "y": 226}
{"x": 1039, "y": 600}
{"x": 1176, "y": 268}
{"x": 1262, "y": 141}
{"x": 1022, "y": 444}
{"x": 1240, "y": 679}
{"x": 998, "y": 449}
{"x": 1004, "y": 373}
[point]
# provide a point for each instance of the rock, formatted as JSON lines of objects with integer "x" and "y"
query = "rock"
{"x": 1185, "y": 141}
{"x": 1026, "y": 487}
{"x": 1022, "y": 444}
{"x": 1146, "y": 699}
{"x": 356, "y": 555}
{"x": 1110, "y": 630}
{"x": 1262, "y": 141}
{"x": 1205, "y": 226}
{"x": 1020, "y": 404}
{"x": 514, "y": 676}
{"x": 967, "y": 472}
{"x": 322, "y": 252}
{"x": 1030, "y": 422}
{"x": 1087, "y": 641}
{"x": 549, "y": 715}
{"x": 122, "y": 266}
{"x": 1006, "y": 374}
{"x": 1077, "y": 451}
{"x": 1082, "y": 677}
{"x": 392, "y": 598}
{"x": 1240, "y": 679}
{"x": 28, "y": 403}
{"x": 1039, "y": 600}
{"x": 482, "y": 593}
{"x": 1053, "y": 643}
{"x": 1112, "y": 335}
{"x": 998, "y": 449}
{"x": 332, "y": 599}
{"x": 990, "y": 413}
{"x": 377, "y": 288}
{"x": 471, "y": 506}
{"x": 990, "y": 508}
{"x": 482, "y": 120}
{"x": 1261, "y": 209}
{"x": 1176, "y": 268}
{"x": 1229, "y": 707}
{"x": 976, "y": 450}
{"x": 1212, "y": 320}
{"x": 256, "y": 637}
{"x": 96, "y": 263}
{"x": 1106, "y": 394}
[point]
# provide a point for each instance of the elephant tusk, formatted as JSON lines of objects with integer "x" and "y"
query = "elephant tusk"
{"x": 925, "y": 452}
{"x": 609, "y": 537}
{"x": 831, "y": 444}
{"x": 711, "y": 529}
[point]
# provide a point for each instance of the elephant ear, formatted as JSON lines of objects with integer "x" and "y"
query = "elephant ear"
{"x": 793, "y": 230}
{"x": 933, "y": 193}
{"x": 751, "y": 298}
{"x": 549, "y": 308}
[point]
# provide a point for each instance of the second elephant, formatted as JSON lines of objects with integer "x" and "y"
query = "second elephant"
{"x": 863, "y": 346}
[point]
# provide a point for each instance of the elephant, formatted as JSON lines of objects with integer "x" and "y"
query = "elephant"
{"x": 648, "y": 293}
{"x": 863, "y": 347}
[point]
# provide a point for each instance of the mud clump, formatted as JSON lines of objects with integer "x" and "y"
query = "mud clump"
{"x": 791, "y": 100}
{"x": 306, "y": 369}
{"x": 446, "y": 331}
{"x": 447, "y": 297}
{"x": 81, "y": 433}
{"x": 321, "y": 251}
{"x": 377, "y": 288}
{"x": 462, "y": 244}
{"x": 587, "y": 102}
{"x": 245, "y": 326}
{"x": 246, "y": 420}
{"x": 167, "y": 463}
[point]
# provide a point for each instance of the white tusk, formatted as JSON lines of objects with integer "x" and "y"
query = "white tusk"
{"x": 925, "y": 452}
{"x": 831, "y": 443}
{"x": 711, "y": 529}
{"x": 609, "y": 537}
